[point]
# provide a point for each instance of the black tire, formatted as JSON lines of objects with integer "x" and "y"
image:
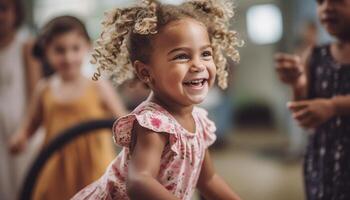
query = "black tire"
{"x": 59, "y": 142}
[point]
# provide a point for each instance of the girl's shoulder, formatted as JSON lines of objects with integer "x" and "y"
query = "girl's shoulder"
{"x": 207, "y": 126}
{"x": 202, "y": 115}
{"x": 148, "y": 115}
{"x": 155, "y": 118}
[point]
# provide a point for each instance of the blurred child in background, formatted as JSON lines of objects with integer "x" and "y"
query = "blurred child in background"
{"x": 65, "y": 99}
{"x": 19, "y": 72}
{"x": 321, "y": 103}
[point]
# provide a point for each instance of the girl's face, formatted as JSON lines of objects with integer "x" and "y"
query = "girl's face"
{"x": 335, "y": 17}
{"x": 7, "y": 17}
{"x": 181, "y": 67}
{"x": 66, "y": 53}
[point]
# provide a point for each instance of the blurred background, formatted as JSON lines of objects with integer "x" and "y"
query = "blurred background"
{"x": 259, "y": 150}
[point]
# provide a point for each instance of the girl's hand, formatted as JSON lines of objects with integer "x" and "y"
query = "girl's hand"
{"x": 312, "y": 113}
{"x": 17, "y": 143}
{"x": 289, "y": 68}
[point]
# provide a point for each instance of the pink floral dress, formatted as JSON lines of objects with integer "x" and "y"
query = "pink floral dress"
{"x": 181, "y": 159}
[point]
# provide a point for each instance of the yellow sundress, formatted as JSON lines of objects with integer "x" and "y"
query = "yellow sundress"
{"x": 80, "y": 162}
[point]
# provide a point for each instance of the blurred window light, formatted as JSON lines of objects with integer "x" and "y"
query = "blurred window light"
{"x": 264, "y": 23}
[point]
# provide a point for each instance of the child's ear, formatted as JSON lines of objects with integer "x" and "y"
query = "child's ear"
{"x": 142, "y": 71}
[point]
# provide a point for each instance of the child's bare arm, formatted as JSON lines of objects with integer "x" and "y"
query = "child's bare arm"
{"x": 31, "y": 122}
{"x": 341, "y": 105}
{"x": 33, "y": 67}
{"x": 211, "y": 185}
{"x": 312, "y": 113}
{"x": 111, "y": 99}
{"x": 144, "y": 166}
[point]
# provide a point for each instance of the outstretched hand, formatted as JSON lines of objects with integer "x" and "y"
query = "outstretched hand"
{"x": 312, "y": 113}
{"x": 289, "y": 68}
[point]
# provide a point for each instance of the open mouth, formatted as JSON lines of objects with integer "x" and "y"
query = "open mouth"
{"x": 195, "y": 82}
{"x": 329, "y": 20}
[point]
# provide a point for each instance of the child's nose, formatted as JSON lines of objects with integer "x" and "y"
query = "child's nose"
{"x": 69, "y": 57}
{"x": 197, "y": 66}
{"x": 328, "y": 4}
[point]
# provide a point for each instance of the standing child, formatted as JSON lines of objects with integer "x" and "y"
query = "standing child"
{"x": 64, "y": 100}
{"x": 177, "y": 52}
{"x": 19, "y": 73}
{"x": 322, "y": 103}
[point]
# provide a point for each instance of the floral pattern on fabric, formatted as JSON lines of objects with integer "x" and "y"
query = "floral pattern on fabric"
{"x": 181, "y": 160}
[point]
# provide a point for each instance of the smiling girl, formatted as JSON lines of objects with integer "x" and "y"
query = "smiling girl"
{"x": 177, "y": 52}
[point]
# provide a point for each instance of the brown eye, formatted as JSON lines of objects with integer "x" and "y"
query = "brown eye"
{"x": 206, "y": 54}
{"x": 76, "y": 48}
{"x": 59, "y": 49}
{"x": 182, "y": 56}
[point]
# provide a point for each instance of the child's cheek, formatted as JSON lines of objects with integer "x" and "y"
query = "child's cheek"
{"x": 211, "y": 83}
{"x": 212, "y": 74}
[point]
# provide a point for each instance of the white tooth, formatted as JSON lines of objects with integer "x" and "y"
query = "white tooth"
{"x": 196, "y": 81}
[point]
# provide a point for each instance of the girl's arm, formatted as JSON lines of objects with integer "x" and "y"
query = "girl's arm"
{"x": 300, "y": 89}
{"x": 32, "y": 68}
{"x": 312, "y": 113}
{"x": 341, "y": 105}
{"x": 110, "y": 99}
{"x": 31, "y": 122}
{"x": 211, "y": 185}
{"x": 144, "y": 166}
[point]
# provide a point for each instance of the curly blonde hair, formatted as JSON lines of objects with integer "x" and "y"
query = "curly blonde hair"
{"x": 127, "y": 35}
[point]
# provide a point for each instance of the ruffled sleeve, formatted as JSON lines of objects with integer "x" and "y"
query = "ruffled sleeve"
{"x": 149, "y": 117}
{"x": 208, "y": 127}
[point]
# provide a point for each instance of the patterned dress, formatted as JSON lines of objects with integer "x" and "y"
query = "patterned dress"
{"x": 181, "y": 159}
{"x": 327, "y": 161}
